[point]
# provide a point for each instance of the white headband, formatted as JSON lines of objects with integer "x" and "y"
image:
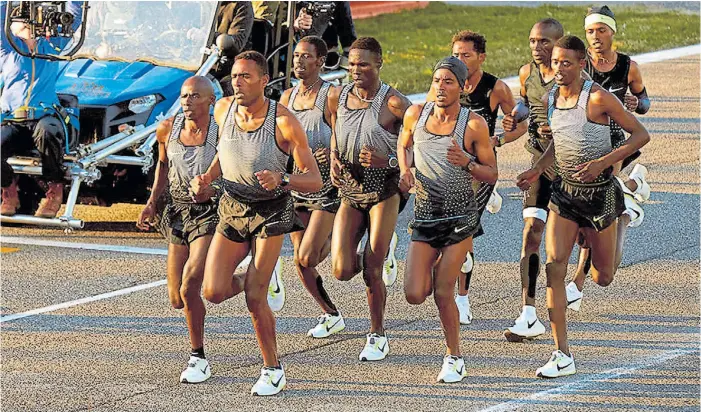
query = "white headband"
{"x": 600, "y": 18}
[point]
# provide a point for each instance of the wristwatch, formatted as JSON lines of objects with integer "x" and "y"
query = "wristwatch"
{"x": 392, "y": 161}
{"x": 284, "y": 179}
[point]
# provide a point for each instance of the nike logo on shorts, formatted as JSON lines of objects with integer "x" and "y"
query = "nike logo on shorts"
{"x": 616, "y": 90}
{"x": 458, "y": 230}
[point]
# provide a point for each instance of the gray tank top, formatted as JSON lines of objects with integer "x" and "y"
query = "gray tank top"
{"x": 577, "y": 139}
{"x": 318, "y": 136}
{"x": 356, "y": 128}
{"x": 186, "y": 162}
{"x": 242, "y": 154}
{"x": 536, "y": 88}
{"x": 443, "y": 190}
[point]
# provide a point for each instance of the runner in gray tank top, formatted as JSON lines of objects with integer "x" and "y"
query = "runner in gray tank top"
{"x": 585, "y": 196}
{"x": 256, "y": 209}
{"x": 366, "y": 117}
{"x": 186, "y": 147}
{"x": 308, "y": 101}
{"x": 449, "y": 145}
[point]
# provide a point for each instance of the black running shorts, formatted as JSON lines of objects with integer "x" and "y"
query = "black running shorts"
{"x": 182, "y": 223}
{"x": 241, "y": 222}
{"x": 444, "y": 233}
{"x": 594, "y": 205}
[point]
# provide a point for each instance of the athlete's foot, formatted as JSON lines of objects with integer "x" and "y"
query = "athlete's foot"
{"x": 271, "y": 382}
{"x": 633, "y": 209}
{"x": 468, "y": 263}
{"x": 276, "y": 288}
{"x": 453, "y": 370}
{"x": 638, "y": 175}
{"x": 463, "y": 303}
{"x": 494, "y": 202}
{"x": 389, "y": 269}
{"x": 327, "y": 326}
{"x": 197, "y": 371}
{"x": 574, "y": 297}
{"x": 376, "y": 348}
{"x": 526, "y": 326}
{"x": 558, "y": 365}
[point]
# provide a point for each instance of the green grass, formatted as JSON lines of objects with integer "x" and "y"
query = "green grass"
{"x": 412, "y": 41}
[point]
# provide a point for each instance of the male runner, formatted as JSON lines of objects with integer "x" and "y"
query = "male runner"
{"x": 585, "y": 195}
{"x": 256, "y": 210}
{"x": 483, "y": 94}
{"x": 366, "y": 117}
{"x": 308, "y": 101}
{"x": 536, "y": 78}
{"x": 449, "y": 145}
{"x": 618, "y": 73}
{"x": 187, "y": 144}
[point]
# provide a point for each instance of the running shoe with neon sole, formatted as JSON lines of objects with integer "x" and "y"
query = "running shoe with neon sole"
{"x": 453, "y": 370}
{"x": 389, "y": 269}
{"x": 525, "y": 327}
{"x": 558, "y": 365}
{"x": 197, "y": 371}
{"x": 376, "y": 348}
{"x": 270, "y": 382}
{"x": 494, "y": 202}
{"x": 276, "y": 288}
{"x": 463, "y": 303}
{"x": 327, "y": 326}
{"x": 574, "y": 297}
{"x": 638, "y": 174}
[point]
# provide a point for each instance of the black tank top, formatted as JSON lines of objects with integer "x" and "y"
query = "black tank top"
{"x": 614, "y": 80}
{"x": 478, "y": 100}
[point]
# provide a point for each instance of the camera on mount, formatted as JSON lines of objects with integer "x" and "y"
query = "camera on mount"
{"x": 44, "y": 18}
{"x": 318, "y": 8}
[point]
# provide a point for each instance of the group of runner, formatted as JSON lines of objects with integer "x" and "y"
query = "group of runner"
{"x": 330, "y": 164}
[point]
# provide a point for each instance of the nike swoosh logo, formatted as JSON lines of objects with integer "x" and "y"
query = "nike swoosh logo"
{"x": 277, "y": 286}
{"x": 569, "y": 302}
{"x": 382, "y": 349}
{"x": 460, "y": 371}
{"x": 616, "y": 90}
{"x": 478, "y": 110}
{"x": 328, "y": 328}
{"x": 276, "y": 384}
{"x": 458, "y": 230}
{"x": 561, "y": 368}
{"x": 205, "y": 369}
{"x": 391, "y": 265}
{"x": 530, "y": 325}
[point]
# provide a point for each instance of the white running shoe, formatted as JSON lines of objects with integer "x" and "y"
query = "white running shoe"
{"x": 574, "y": 297}
{"x": 526, "y": 326}
{"x": 271, "y": 382}
{"x": 389, "y": 269}
{"x": 463, "y": 303}
{"x": 494, "y": 202}
{"x": 558, "y": 365}
{"x": 639, "y": 173}
{"x": 276, "y": 288}
{"x": 376, "y": 348}
{"x": 197, "y": 371}
{"x": 633, "y": 210}
{"x": 453, "y": 370}
{"x": 468, "y": 264}
{"x": 327, "y": 326}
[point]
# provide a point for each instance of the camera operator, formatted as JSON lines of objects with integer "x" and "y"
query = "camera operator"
{"x": 27, "y": 112}
{"x": 331, "y": 20}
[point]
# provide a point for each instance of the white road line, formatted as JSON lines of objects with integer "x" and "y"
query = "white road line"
{"x": 81, "y": 301}
{"x": 652, "y": 57}
{"x": 571, "y": 387}
{"x": 85, "y": 246}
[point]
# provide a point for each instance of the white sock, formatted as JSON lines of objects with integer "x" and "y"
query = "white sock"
{"x": 462, "y": 299}
{"x": 529, "y": 312}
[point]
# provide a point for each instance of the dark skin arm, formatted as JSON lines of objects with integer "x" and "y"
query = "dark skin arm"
{"x": 292, "y": 139}
{"x": 332, "y": 107}
{"x": 505, "y": 100}
{"x": 405, "y": 144}
{"x": 635, "y": 85}
{"x": 397, "y": 106}
{"x": 160, "y": 181}
{"x": 201, "y": 182}
{"x": 484, "y": 167}
{"x": 602, "y": 106}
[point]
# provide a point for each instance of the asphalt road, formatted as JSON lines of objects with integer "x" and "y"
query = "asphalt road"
{"x": 636, "y": 342}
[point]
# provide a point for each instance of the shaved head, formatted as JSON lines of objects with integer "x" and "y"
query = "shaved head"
{"x": 201, "y": 84}
{"x": 196, "y": 97}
